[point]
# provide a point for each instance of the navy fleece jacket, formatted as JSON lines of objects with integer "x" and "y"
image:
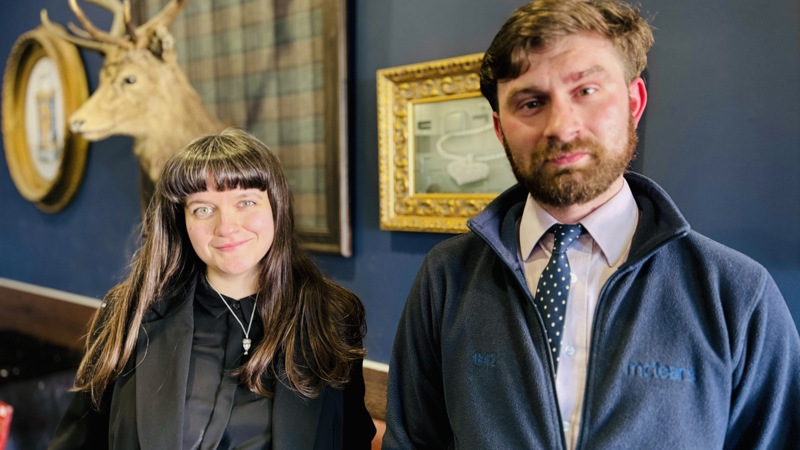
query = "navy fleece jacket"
{"x": 693, "y": 346}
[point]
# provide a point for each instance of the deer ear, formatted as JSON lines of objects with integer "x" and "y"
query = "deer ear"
{"x": 162, "y": 44}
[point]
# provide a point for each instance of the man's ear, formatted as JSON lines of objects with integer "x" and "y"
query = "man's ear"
{"x": 498, "y": 130}
{"x": 637, "y": 93}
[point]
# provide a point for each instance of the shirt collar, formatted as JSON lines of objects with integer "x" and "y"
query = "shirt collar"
{"x": 210, "y": 299}
{"x": 611, "y": 225}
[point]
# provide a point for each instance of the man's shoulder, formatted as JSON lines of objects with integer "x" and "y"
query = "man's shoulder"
{"x": 466, "y": 255}
{"x": 735, "y": 278}
{"x": 716, "y": 254}
{"x": 459, "y": 248}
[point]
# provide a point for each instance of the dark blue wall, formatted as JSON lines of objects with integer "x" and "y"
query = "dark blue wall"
{"x": 722, "y": 136}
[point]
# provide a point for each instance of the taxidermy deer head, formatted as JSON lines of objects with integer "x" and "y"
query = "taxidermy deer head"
{"x": 142, "y": 93}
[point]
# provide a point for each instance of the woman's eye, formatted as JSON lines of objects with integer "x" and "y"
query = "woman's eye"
{"x": 202, "y": 211}
{"x": 248, "y": 203}
{"x": 130, "y": 79}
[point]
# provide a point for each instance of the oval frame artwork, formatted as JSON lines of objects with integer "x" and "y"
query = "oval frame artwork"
{"x": 43, "y": 84}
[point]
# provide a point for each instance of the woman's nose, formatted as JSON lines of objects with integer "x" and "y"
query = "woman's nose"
{"x": 227, "y": 222}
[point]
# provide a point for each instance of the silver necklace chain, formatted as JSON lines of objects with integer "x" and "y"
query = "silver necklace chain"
{"x": 246, "y": 342}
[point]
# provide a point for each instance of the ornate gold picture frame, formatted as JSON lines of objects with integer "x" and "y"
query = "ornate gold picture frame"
{"x": 440, "y": 161}
{"x": 43, "y": 83}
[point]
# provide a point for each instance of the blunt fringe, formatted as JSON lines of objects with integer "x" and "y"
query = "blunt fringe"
{"x": 313, "y": 328}
{"x": 536, "y": 25}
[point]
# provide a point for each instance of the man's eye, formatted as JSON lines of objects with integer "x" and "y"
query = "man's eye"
{"x": 588, "y": 91}
{"x": 532, "y": 104}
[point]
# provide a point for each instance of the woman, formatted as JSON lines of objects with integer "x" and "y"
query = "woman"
{"x": 224, "y": 334}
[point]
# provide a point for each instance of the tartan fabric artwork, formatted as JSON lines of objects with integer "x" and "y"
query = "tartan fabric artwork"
{"x": 260, "y": 65}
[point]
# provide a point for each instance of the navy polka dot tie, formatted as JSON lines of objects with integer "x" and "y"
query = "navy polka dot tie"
{"x": 553, "y": 289}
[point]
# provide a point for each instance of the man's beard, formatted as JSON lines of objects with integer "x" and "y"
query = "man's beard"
{"x": 573, "y": 186}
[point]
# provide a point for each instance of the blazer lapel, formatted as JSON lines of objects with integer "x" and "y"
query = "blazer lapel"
{"x": 295, "y": 419}
{"x": 165, "y": 345}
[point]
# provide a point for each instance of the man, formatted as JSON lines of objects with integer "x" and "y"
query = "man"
{"x": 640, "y": 333}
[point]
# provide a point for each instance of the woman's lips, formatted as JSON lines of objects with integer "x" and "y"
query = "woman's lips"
{"x": 231, "y": 246}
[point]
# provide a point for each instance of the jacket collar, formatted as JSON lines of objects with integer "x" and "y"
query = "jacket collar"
{"x": 660, "y": 220}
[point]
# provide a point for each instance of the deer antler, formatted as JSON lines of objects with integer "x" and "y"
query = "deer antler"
{"x": 118, "y": 11}
{"x": 126, "y": 13}
{"x": 96, "y": 33}
{"x": 90, "y": 36}
{"x": 162, "y": 19}
{"x": 80, "y": 41}
{"x": 93, "y": 38}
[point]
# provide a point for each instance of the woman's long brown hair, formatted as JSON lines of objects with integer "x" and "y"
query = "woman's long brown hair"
{"x": 313, "y": 328}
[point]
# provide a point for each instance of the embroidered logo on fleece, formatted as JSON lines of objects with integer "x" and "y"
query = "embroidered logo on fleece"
{"x": 660, "y": 371}
{"x": 484, "y": 359}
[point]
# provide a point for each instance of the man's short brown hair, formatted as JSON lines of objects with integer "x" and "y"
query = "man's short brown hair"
{"x": 539, "y": 23}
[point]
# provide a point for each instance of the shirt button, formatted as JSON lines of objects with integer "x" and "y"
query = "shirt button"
{"x": 565, "y": 424}
{"x": 569, "y": 350}
{"x": 573, "y": 278}
{"x": 236, "y": 305}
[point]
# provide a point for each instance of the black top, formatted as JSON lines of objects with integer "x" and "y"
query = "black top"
{"x": 220, "y": 413}
{"x": 146, "y": 405}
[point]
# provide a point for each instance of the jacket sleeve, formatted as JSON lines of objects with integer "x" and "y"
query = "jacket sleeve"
{"x": 416, "y": 415}
{"x": 83, "y": 426}
{"x": 765, "y": 407}
{"x": 359, "y": 428}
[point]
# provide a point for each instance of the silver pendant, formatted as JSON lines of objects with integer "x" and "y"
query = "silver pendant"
{"x": 246, "y": 344}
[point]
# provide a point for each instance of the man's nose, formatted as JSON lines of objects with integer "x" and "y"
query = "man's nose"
{"x": 562, "y": 121}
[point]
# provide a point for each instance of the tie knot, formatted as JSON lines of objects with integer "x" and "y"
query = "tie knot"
{"x": 565, "y": 235}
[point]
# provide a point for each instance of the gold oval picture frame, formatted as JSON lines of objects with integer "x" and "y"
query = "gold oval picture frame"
{"x": 43, "y": 84}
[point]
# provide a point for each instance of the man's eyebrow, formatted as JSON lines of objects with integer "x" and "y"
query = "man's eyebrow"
{"x": 572, "y": 77}
{"x": 581, "y": 74}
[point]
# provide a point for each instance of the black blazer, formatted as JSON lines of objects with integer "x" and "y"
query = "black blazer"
{"x": 145, "y": 407}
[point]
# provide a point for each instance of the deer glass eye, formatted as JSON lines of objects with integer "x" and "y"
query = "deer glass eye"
{"x": 130, "y": 79}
